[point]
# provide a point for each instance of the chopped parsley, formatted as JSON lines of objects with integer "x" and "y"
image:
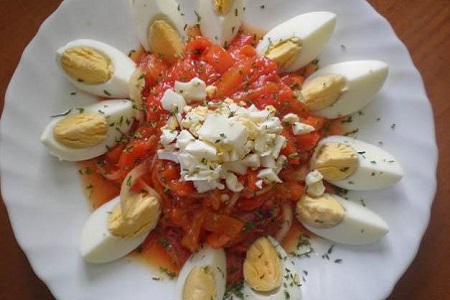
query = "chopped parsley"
{"x": 198, "y": 16}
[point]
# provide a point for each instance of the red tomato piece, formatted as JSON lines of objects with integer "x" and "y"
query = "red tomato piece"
{"x": 182, "y": 188}
{"x": 170, "y": 173}
{"x": 290, "y": 150}
{"x": 290, "y": 190}
{"x": 242, "y": 53}
{"x": 293, "y": 81}
{"x": 136, "y": 152}
{"x": 251, "y": 203}
{"x": 217, "y": 240}
{"x": 315, "y": 121}
{"x": 242, "y": 39}
{"x": 195, "y": 47}
{"x": 235, "y": 78}
{"x": 223, "y": 224}
{"x": 307, "y": 142}
{"x": 154, "y": 69}
{"x": 192, "y": 232}
{"x": 113, "y": 155}
{"x": 218, "y": 58}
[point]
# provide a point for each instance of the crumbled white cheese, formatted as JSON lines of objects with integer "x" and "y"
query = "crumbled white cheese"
{"x": 192, "y": 91}
{"x": 259, "y": 184}
{"x": 172, "y": 101}
{"x": 268, "y": 175}
{"x": 281, "y": 163}
{"x": 201, "y": 150}
{"x": 268, "y": 162}
{"x": 236, "y": 167}
{"x": 167, "y": 155}
{"x": 301, "y": 128}
{"x": 215, "y": 144}
{"x": 184, "y": 138}
{"x": 188, "y": 163}
{"x": 272, "y": 125}
{"x": 204, "y": 185}
{"x": 168, "y": 136}
{"x": 279, "y": 143}
{"x": 219, "y": 129}
{"x": 232, "y": 183}
{"x": 252, "y": 161}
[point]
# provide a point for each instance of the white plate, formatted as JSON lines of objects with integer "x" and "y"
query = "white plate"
{"x": 45, "y": 200}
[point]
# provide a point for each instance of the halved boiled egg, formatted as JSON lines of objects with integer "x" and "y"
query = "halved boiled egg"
{"x": 109, "y": 234}
{"x": 269, "y": 273}
{"x": 220, "y": 20}
{"x": 96, "y": 67}
{"x": 344, "y": 88}
{"x": 297, "y": 41}
{"x": 87, "y": 132}
{"x": 203, "y": 276}
{"x": 159, "y": 27}
{"x": 340, "y": 220}
{"x": 355, "y": 165}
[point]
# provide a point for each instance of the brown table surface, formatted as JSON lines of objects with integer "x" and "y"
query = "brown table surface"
{"x": 423, "y": 25}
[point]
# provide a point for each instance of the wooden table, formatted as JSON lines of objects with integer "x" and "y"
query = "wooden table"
{"x": 423, "y": 25}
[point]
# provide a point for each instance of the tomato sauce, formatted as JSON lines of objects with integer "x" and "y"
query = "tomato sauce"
{"x": 97, "y": 189}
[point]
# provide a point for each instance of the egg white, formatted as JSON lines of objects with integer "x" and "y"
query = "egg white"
{"x": 377, "y": 168}
{"x": 221, "y": 29}
{"x": 361, "y": 226}
{"x": 364, "y": 79}
{"x": 119, "y": 115}
{"x": 117, "y": 85}
{"x": 145, "y": 12}
{"x": 313, "y": 29}
{"x": 97, "y": 245}
{"x": 207, "y": 256}
{"x": 290, "y": 286}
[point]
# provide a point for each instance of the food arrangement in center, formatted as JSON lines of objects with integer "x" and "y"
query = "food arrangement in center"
{"x": 220, "y": 141}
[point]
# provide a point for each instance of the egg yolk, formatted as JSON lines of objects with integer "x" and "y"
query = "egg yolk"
{"x": 335, "y": 161}
{"x": 320, "y": 212}
{"x": 323, "y": 91}
{"x": 200, "y": 284}
{"x": 142, "y": 215}
{"x": 81, "y": 130}
{"x": 262, "y": 266}
{"x": 87, "y": 65}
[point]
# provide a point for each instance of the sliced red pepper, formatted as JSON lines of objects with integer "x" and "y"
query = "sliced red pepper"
{"x": 307, "y": 142}
{"x": 223, "y": 224}
{"x": 193, "y": 230}
{"x": 218, "y": 58}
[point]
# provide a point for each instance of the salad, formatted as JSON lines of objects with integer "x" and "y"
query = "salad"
{"x": 222, "y": 143}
